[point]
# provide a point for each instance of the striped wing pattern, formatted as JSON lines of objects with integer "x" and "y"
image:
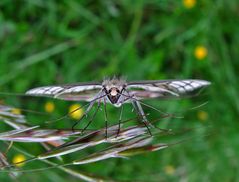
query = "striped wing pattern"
{"x": 67, "y": 92}
{"x": 141, "y": 89}
{"x": 166, "y": 88}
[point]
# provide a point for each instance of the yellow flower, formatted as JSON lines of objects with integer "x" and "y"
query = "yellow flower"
{"x": 49, "y": 107}
{"x": 189, "y": 3}
{"x": 169, "y": 169}
{"x": 200, "y": 52}
{"x": 16, "y": 111}
{"x": 202, "y": 115}
{"x": 75, "y": 111}
{"x": 18, "y": 158}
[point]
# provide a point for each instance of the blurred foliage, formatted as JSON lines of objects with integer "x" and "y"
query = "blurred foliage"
{"x": 55, "y": 42}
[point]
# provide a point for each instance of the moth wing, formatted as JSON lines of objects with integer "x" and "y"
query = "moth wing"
{"x": 166, "y": 88}
{"x": 74, "y": 92}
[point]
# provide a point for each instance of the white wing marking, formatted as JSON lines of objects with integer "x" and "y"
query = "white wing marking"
{"x": 80, "y": 88}
{"x": 154, "y": 89}
{"x": 51, "y": 90}
{"x": 178, "y": 83}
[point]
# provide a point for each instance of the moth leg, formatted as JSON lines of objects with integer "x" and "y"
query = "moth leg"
{"x": 140, "y": 103}
{"x": 106, "y": 119}
{"x": 138, "y": 108}
{"x": 98, "y": 96}
{"x": 120, "y": 119}
{"x": 93, "y": 117}
{"x": 140, "y": 112}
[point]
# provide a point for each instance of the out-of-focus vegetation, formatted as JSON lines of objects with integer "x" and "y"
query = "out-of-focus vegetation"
{"x": 55, "y": 42}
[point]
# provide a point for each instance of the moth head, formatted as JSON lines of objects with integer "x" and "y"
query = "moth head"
{"x": 113, "y": 89}
{"x": 114, "y": 86}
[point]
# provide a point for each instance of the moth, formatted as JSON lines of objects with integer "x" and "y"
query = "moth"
{"x": 118, "y": 91}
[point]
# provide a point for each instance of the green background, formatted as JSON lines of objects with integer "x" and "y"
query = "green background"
{"x": 55, "y": 42}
